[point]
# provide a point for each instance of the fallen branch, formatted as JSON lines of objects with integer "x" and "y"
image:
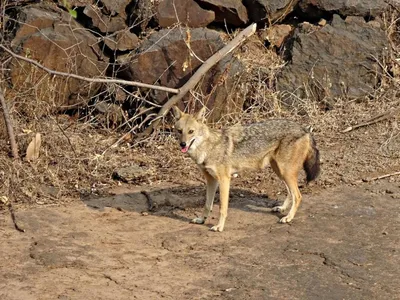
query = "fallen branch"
{"x": 191, "y": 83}
{"x": 150, "y": 203}
{"x": 8, "y": 203}
{"x": 373, "y": 120}
{"x": 380, "y": 177}
{"x": 94, "y": 80}
{"x": 10, "y": 130}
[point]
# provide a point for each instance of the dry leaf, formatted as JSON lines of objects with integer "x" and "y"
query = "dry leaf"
{"x": 32, "y": 152}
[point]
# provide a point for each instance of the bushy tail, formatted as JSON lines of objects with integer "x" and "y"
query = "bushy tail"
{"x": 311, "y": 164}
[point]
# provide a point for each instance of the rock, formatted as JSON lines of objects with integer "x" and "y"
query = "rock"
{"x": 115, "y": 7}
{"x": 131, "y": 173}
{"x": 170, "y": 57}
{"x": 320, "y": 67}
{"x": 269, "y": 10}
{"x": 105, "y": 23}
{"x": 277, "y": 34}
{"x": 186, "y": 12}
{"x": 233, "y": 12}
{"x": 140, "y": 14}
{"x": 68, "y": 48}
{"x": 75, "y": 3}
{"x": 109, "y": 114}
{"x": 364, "y": 8}
{"x": 122, "y": 41}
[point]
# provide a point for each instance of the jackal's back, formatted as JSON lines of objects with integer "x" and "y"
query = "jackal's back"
{"x": 258, "y": 137}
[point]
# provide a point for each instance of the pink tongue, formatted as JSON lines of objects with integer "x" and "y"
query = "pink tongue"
{"x": 184, "y": 150}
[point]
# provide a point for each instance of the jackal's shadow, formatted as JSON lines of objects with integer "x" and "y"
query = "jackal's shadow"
{"x": 167, "y": 201}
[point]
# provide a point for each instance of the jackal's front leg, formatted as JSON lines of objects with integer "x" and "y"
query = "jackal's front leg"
{"x": 212, "y": 185}
{"x": 224, "y": 183}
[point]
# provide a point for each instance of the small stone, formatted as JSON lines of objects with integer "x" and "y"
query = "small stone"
{"x": 322, "y": 22}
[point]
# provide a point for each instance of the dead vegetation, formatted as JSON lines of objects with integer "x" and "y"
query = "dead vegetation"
{"x": 78, "y": 153}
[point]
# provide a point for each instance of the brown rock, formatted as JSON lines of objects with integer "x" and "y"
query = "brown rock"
{"x": 75, "y": 3}
{"x": 233, "y": 12}
{"x": 277, "y": 34}
{"x": 170, "y": 57}
{"x": 106, "y": 23}
{"x": 187, "y": 12}
{"x": 122, "y": 41}
{"x": 53, "y": 38}
{"x": 269, "y": 10}
{"x": 115, "y": 7}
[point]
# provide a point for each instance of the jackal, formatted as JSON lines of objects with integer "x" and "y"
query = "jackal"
{"x": 283, "y": 144}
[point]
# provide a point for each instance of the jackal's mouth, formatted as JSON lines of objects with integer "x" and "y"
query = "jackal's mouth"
{"x": 186, "y": 148}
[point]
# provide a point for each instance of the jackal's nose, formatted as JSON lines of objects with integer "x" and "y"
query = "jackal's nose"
{"x": 182, "y": 144}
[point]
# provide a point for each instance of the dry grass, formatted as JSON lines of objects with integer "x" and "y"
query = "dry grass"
{"x": 76, "y": 157}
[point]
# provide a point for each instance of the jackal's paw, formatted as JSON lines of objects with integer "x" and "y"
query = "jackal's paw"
{"x": 286, "y": 219}
{"x": 217, "y": 228}
{"x": 198, "y": 221}
{"x": 279, "y": 209}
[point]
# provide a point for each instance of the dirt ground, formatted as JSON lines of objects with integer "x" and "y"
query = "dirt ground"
{"x": 134, "y": 241}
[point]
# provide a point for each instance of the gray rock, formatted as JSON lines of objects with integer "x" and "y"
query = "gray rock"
{"x": 316, "y": 8}
{"x": 340, "y": 59}
{"x": 131, "y": 173}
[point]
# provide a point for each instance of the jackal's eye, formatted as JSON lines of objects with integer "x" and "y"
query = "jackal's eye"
{"x": 179, "y": 131}
{"x": 191, "y": 131}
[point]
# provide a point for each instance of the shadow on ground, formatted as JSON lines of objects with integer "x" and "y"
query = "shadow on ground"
{"x": 166, "y": 201}
{"x": 343, "y": 244}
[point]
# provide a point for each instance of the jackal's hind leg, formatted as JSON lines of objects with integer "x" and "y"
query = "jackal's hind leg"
{"x": 282, "y": 208}
{"x": 291, "y": 182}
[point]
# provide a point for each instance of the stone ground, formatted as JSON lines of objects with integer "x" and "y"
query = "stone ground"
{"x": 134, "y": 241}
{"x": 343, "y": 244}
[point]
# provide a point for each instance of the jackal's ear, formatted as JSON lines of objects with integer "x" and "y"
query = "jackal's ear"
{"x": 177, "y": 112}
{"x": 200, "y": 115}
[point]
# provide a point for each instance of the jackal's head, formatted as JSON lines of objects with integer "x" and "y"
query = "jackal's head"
{"x": 189, "y": 129}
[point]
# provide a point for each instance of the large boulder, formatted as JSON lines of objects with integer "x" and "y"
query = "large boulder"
{"x": 364, "y": 8}
{"x": 269, "y": 11}
{"x": 340, "y": 59}
{"x": 186, "y": 12}
{"x": 170, "y": 57}
{"x": 231, "y": 12}
{"x": 53, "y": 38}
{"x": 105, "y": 22}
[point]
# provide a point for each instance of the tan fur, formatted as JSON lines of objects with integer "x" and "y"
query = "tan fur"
{"x": 283, "y": 144}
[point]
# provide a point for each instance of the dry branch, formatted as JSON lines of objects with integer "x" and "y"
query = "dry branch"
{"x": 373, "y": 120}
{"x": 10, "y": 130}
{"x": 94, "y": 80}
{"x": 191, "y": 83}
{"x": 7, "y": 202}
{"x": 379, "y": 177}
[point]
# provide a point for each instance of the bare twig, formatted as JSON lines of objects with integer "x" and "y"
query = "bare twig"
{"x": 373, "y": 120}
{"x": 191, "y": 83}
{"x": 95, "y": 80}
{"x": 380, "y": 177}
{"x": 7, "y": 202}
{"x": 10, "y": 130}
{"x": 151, "y": 204}
{"x": 64, "y": 134}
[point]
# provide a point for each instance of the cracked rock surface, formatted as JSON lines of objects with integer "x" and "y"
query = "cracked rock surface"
{"x": 343, "y": 244}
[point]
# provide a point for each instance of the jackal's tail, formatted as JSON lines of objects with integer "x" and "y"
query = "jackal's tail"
{"x": 311, "y": 164}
